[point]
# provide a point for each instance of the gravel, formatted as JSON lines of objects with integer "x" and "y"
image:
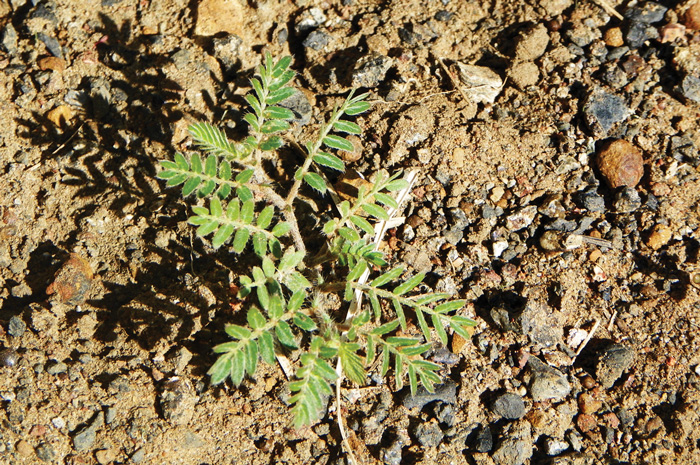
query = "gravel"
{"x": 612, "y": 362}
{"x": 546, "y": 383}
{"x": 509, "y": 406}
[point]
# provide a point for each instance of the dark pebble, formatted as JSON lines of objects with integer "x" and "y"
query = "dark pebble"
{"x": 52, "y": 44}
{"x": 370, "y": 70}
{"x": 429, "y": 434}
{"x": 458, "y": 218}
{"x": 546, "y": 382}
{"x": 46, "y": 11}
{"x": 300, "y": 106}
{"x": 110, "y": 3}
{"x": 392, "y": 455}
{"x": 317, "y": 40}
{"x": 45, "y": 452}
{"x": 612, "y": 362}
{"x": 646, "y": 12}
{"x": 8, "y": 39}
{"x": 445, "y": 414}
{"x": 446, "y": 392}
{"x": 444, "y": 15}
{"x": 562, "y": 225}
{"x": 602, "y": 110}
{"x": 16, "y": 326}
{"x": 484, "y": 440}
{"x": 8, "y": 357}
{"x": 509, "y": 406}
{"x": 617, "y": 53}
{"x": 85, "y": 437}
{"x": 627, "y": 200}
{"x": 636, "y": 33}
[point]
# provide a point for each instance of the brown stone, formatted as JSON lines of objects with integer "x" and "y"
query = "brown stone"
{"x": 24, "y": 448}
{"x": 659, "y": 237}
{"x": 613, "y": 37}
{"x": 52, "y": 63}
{"x": 691, "y": 17}
{"x": 621, "y": 164}
{"x": 586, "y": 423}
{"x": 73, "y": 281}
{"x": 588, "y": 404}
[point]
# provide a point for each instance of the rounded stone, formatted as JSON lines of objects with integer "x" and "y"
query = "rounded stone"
{"x": 621, "y": 164}
{"x": 613, "y": 37}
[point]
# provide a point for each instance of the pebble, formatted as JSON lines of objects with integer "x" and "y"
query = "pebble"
{"x": 300, "y": 106}
{"x": 509, "y": 406}
{"x": 554, "y": 446}
{"x": 516, "y": 447}
{"x": 620, "y": 163}
{"x": 446, "y": 392}
{"x": 479, "y": 83}
{"x": 613, "y": 37}
{"x": 586, "y": 423}
{"x": 659, "y": 237}
{"x": 392, "y": 455}
{"x": 105, "y": 456}
{"x": 138, "y": 455}
{"x": 627, "y": 200}
{"x": 45, "y": 452}
{"x": 54, "y": 367}
{"x": 16, "y": 326}
{"x": 484, "y": 439}
{"x": 177, "y": 400}
{"x": 602, "y": 110}
{"x": 532, "y": 43}
{"x": 370, "y": 70}
{"x": 8, "y": 357}
{"x": 637, "y": 33}
{"x": 646, "y": 12}
{"x": 8, "y": 39}
{"x": 85, "y": 437}
{"x": 24, "y": 449}
{"x": 429, "y": 434}
{"x": 51, "y": 44}
{"x": 521, "y": 219}
{"x": 588, "y": 404}
{"x": 591, "y": 200}
{"x": 612, "y": 362}
{"x": 691, "y": 16}
{"x": 316, "y": 40}
{"x": 227, "y": 50}
{"x": 453, "y": 236}
{"x": 689, "y": 88}
{"x": 73, "y": 281}
{"x": 546, "y": 382}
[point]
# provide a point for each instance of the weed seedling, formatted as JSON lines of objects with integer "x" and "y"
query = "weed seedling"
{"x": 241, "y": 204}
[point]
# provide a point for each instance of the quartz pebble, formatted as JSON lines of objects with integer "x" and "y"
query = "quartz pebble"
{"x": 621, "y": 164}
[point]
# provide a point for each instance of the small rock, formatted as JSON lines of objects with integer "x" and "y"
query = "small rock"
{"x": 453, "y": 236}
{"x": 317, "y": 40}
{"x": 484, "y": 439}
{"x": 591, "y": 200}
{"x": 637, "y": 33}
{"x": 620, "y": 163}
{"x": 691, "y": 16}
{"x": 392, "y": 455}
{"x": 8, "y": 357}
{"x": 308, "y": 20}
{"x": 479, "y": 83}
{"x": 73, "y": 281}
{"x": 613, "y": 37}
{"x": 429, "y": 434}
{"x": 105, "y": 456}
{"x": 444, "y": 16}
{"x": 446, "y": 392}
{"x": 627, "y": 200}
{"x": 217, "y": 16}
{"x": 8, "y": 39}
{"x": 85, "y": 437}
{"x": 54, "y": 367}
{"x": 177, "y": 400}
{"x": 138, "y": 455}
{"x": 602, "y": 110}
{"x": 586, "y": 423}
{"x": 51, "y": 44}
{"x": 546, "y": 382}
{"x": 581, "y": 35}
{"x": 614, "y": 360}
{"x": 689, "y": 88}
{"x": 16, "y": 326}
{"x": 227, "y": 50}
{"x": 532, "y": 44}
{"x": 370, "y": 70}
{"x": 509, "y": 406}
{"x": 521, "y": 219}
{"x": 588, "y": 404}
{"x": 659, "y": 237}
{"x": 24, "y": 449}
{"x": 45, "y": 452}
{"x": 300, "y": 106}
{"x": 516, "y": 448}
{"x": 554, "y": 446}
{"x": 646, "y": 12}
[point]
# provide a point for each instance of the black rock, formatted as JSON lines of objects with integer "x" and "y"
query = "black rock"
{"x": 429, "y": 434}
{"x": 484, "y": 440}
{"x": 392, "y": 455}
{"x": 446, "y": 392}
{"x": 444, "y": 15}
{"x": 646, "y": 12}
{"x": 602, "y": 110}
{"x": 300, "y": 106}
{"x": 509, "y": 406}
{"x": 8, "y": 358}
{"x": 627, "y": 200}
{"x": 636, "y": 33}
{"x": 52, "y": 44}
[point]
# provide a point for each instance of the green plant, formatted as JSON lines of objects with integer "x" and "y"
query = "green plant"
{"x": 286, "y": 295}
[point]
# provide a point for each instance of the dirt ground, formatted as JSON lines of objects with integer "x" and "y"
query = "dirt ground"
{"x": 109, "y": 305}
